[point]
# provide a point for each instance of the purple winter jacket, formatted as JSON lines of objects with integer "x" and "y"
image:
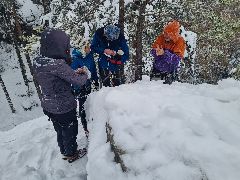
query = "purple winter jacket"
{"x": 54, "y": 75}
{"x": 168, "y": 62}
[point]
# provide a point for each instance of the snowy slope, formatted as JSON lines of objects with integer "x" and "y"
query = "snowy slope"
{"x": 172, "y": 132}
{"x": 13, "y": 79}
{"x": 30, "y": 152}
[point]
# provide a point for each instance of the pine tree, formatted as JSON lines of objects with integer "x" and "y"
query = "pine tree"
{"x": 7, "y": 95}
{"x": 138, "y": 42}
{"x": 14, "y": 29}
{"x": 217, "y": 25}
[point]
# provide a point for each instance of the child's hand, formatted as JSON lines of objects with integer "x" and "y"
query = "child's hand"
{"x": 80, "y": 71}
{"x": 159, "y": 50}
{"x": 87, "y": 49}
{"x": 109, "y": 52}
{"x": 120, "y": 52}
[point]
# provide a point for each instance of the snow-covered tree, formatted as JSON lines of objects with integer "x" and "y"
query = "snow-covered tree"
{"x": 217, "y": 25}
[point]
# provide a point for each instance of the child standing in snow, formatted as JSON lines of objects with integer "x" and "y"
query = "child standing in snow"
{"x": 81, "y": 59}
{"x": 55, "y": 78}
{"x": 168, "y": 50}
{"x": 113, "y": 51}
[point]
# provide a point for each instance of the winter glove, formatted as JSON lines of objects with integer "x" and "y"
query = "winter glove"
{"x": 120, "y": 52}
{"x": 87, "y": 72}
{"x": 84, "y": 70}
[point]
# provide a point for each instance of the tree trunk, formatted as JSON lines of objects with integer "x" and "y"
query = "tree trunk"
{"x": 32, "y": 73}
{"x": 7, "y": 95}
{"x": 16, "y": 33}
{"x": 138, "y": 62}
{"x": 18, "y": 30}
{"x": 46, "y": 6}
{"x": 121, "y": 21}
{"x": 121, "y": 15}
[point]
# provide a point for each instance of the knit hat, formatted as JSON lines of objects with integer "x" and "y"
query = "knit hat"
{"x": 172, "y": 29}
{"x": 111, "y": 32}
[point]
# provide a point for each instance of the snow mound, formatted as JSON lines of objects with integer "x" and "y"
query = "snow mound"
{"x": 172, "y": 132}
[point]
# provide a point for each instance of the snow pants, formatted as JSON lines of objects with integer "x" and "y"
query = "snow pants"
{"x": 82, "y": 99}
{"x": 66, "y": 126}
{"x": 168, "y": 77}
{"x": 110, "y": 79}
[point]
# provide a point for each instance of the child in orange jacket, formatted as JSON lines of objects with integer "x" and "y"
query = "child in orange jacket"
{"x": 168, "y": 50}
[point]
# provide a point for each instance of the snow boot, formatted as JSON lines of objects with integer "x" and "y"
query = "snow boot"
{"x": 78, "y": 154}
{"x": 168, "y": 79}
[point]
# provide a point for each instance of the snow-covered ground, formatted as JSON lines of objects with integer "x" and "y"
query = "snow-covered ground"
{"x": 30, "y": 152}
{"x": 172, "y": 132}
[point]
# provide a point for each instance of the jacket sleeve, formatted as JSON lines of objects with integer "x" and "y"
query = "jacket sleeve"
{"x": 180, "y": 47}
{"x": 171, "y": 58}
{"x": 93, "y": 66}
{"x": 75, "y": 63}
{"x": 168, "y": 57}
{"x": 158, "y": 41}
{"x": 65, "y": 72}
{"x": 95, "y": 46}
{"x": 125, "y": 49}
{"x": 153, "y": 53}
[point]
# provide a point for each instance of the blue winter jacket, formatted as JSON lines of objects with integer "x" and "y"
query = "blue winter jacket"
{"x": 79, "y": 61}
{"x": 100, "y": 43}
{"x": 88, "y": 61}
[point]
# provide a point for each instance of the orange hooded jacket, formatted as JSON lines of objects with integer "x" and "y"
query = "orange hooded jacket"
{"x": 177, "y": 44}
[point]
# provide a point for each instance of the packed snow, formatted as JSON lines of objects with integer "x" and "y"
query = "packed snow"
{"x": 181, "y": 131}
{"x": 30, "y": 152}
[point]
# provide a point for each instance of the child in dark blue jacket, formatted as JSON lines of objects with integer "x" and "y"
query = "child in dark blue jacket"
{"x": 81, "y": 59}
{"x": 113, "y": 51}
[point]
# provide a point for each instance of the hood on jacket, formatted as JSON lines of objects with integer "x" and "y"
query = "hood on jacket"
{"x": 111, "y": 32}
{"x": 172, "y": 29}
{"x": 77, "y": 53}
{"x": 55, "y": 43}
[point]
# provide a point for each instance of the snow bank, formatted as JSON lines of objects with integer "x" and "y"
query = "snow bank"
{"x": 172, "y": 132}
{"x": 30, "y": 151}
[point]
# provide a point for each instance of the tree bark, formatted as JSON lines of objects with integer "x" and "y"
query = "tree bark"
{"x": 46, "y": 8}
{"x": 32, "y": 73}
{"x": 16, "y": 33}
{"x": 121, "y": 21}
{"x": 7, "y": 95}
{"x": 18, "y": 29}
{"x": 118, "y": 152}
{"x": 121, "y": 15}
{"x": 22, "y": 65}
{"x": 138, "y": 62}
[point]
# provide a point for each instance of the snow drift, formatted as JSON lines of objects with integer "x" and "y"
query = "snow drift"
{"x": 172, "y": 132}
